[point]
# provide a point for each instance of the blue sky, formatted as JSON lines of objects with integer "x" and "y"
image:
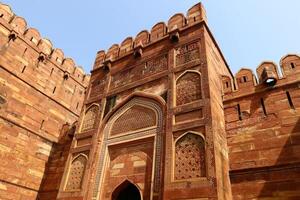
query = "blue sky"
{"x": 248, "y": 31}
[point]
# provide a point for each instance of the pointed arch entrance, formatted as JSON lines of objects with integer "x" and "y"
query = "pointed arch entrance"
{"x": 126, "y": 191}
{"x": 132, "y": 148}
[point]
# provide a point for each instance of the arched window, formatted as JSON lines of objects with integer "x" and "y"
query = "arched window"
{"x": 76, "y": 172}
{"x": 89, "y": 118}
{"x": 189, "y": 157}
{"x": 188, "y": 88}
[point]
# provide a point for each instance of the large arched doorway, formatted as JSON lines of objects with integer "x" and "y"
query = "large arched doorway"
{"x": 126, "y": 191}
{"x": 132, "y": 148}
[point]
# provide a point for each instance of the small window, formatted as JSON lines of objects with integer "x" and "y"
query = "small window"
{"x": 292, "y": 65}
{"x": 51, "y": 71}
{"x": 42, "y": 124}
{"x": 244, "y": 79}
{"x": 227, "y": 85}
{"x": 25, "y": 50}
{"x": 110, "y": 103}
{"x": 239, "y": 111}
{"x": 291, "y": 104}
{"x": 262, "y": 102}
{"x": 23, "y": 70}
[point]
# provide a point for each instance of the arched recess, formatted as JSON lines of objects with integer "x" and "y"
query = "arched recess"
{"x": 189, "y": 156}
{"x": 138, "y": 101}
{"x": 134, "y": 118}
{"x": 89, "y": 118}
{"x": 76, "y": 172}
{"x": 126, "y": 190}
{"x": 188, "y": 87}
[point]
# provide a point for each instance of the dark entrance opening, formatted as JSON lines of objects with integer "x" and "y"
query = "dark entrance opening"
{"x": 126, "y": 191}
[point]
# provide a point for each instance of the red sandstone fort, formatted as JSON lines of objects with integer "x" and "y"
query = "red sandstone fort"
{"x": 161, "y": 117}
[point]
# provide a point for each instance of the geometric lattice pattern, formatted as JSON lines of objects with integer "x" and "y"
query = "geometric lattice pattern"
{"x": 189, "y": 157}
{"x": 76, "y": 173}
{"x": 188, "y": 88}
{"x": 89, "y": 118}
{"x": 187, "y": 53}
{"x": 135, "y": 118}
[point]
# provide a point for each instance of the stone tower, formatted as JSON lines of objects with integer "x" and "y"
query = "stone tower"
{"x": 153, "y": 123}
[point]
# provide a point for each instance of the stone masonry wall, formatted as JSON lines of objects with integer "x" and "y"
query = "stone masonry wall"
{"x": 40, "y": 91}
{"x": 263, "y": 127}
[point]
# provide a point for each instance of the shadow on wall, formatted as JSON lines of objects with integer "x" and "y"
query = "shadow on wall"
{"x": 264, "y": 130}
{"x": 283, "y": 180}
{"x": 281, "y": 154}
{"x": 56, "y": 163}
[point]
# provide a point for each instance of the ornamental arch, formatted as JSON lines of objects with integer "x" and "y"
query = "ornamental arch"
{"x": 132, "y": 136}
{"x": 189, "y": 157}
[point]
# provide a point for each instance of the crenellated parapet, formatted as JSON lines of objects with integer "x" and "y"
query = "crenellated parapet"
{"x": 16, "y": 27}
{"x": 160, "y": 31}
{"x": 33, "y": 59}
{"x": 268, "y": 75}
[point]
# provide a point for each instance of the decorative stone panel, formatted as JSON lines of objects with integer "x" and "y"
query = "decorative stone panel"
{"x": 97, "y": 87}
{"x": 89, "y": 118}
{"x": 135, "y": 118}
{"x": 187, "y": 53}
{"x": 188, "y": 88}
{"x": 76, "y": 173}
{"x": 139, "y": 72}
{"x": 189, "y": 157}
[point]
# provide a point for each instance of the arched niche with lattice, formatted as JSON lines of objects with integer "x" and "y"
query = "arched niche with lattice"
{"x": 137, "y": 117}
{"x": 188, "y": 87}
{"x": 89, "y": 119}
{"x": 76, "y": 172}
{"x": 189, "y": 157}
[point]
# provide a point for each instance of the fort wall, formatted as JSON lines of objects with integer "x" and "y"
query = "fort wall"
{"x": 262, "y": 124}
{"x": 41, "y": 91}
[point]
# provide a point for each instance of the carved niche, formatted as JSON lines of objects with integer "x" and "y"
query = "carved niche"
{"x": 76, "y": 173}
{"x": 135, "y": 118}
{"x": 89, "y": 118}
{"x": 189, "y": 157}
{"x": 188, "y": 88}
{"x": 187, "y": 53}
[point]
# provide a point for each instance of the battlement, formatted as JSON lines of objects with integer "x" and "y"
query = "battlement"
{"x": 32, "y": 59}
{"x": 160, "y": 31}
{"x": 16, "y": 27}
{"x": 268, "y": 76}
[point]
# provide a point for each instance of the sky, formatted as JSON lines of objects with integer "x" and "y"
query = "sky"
{"x": 247, "y": 31}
